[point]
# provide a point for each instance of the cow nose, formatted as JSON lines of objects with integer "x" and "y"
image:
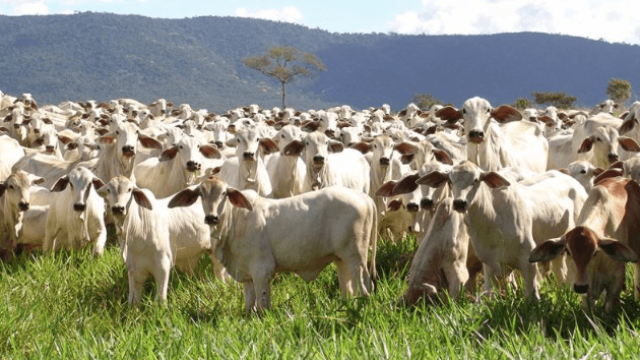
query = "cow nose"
{"x": 413, "y": 207}
{"x": 23, "y": 206}
{"x": 330, "y": 133}
{"x": 117, "y": 210}
{"x": 219, "y": 144}
{"x": 384, "y": 161}
{"x": 16, "y": 126}
{"x": 193, "y": 166}
{"x": 211, "y": 219}
{"x": 79, "y": 207}
{"x": 49, "y": 148}
{"x": 532, "y": 118}
{"x": 580, "y": 289}
{"x": 248, "y": 155}
{"x": 476, "y": 134}
{"x": 127, "y": 149}
{"x": 426, "y": 203}
{"x": 318, "y": 159}
{"x": 36, "y": 131}
{"x": 613, "y": 157}
{"x": 460, "y": 205}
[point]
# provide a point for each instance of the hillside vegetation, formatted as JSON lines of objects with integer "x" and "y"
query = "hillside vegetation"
{"x": 198, "y": 60}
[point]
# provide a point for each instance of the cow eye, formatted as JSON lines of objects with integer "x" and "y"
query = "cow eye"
{"x": 181, "y": 147}
{"x": 282, "y": 136}
{"x": 598, "y": 139}
{"x": 475, "y": 181}
{"x": 464, "y": 111}
{"x": 307, "y": 143}
{"x": 488, "y": 111}
{"x": 10, "y": 186}
{"x": 130, "y": 189}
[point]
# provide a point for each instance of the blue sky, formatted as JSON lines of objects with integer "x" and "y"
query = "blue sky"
{"x": 611, "y": 20}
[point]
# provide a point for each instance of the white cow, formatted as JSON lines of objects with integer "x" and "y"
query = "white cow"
{"x": 76, "y": 216}
{"x": 506, "y": 221}
{"x": 258, "y": 237}
{"x": 492, "y": 146}
{"x": 328, "y": 163}
{"x": 11, "y": 152}
{"x": 286, "y": 173}
{"x": 153, "y": 237}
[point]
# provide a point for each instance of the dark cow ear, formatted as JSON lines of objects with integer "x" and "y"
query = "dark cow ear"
{"x": 72, "y": 146}
{"x": 141, "y": 199}
{"x": 406, "y": 148}
{"x": 548, "y": 250}
{"x": 61, "y": 184}
{"x": 506, "y": 113}
{"x": 386, "y": 190}
{"x": 269, "y": 146}
{"x": 434, "y": 179}
{"x": 628, "y": 144}
{"x": 294, "y": 148}
{"x": 586, "y": 146}
{"x": 406, "y": 185}
{"x": 97, "y": 183}
{"x": 494, "y": 180}
{"x": 442, "y": 156}
{"x": 64, "y": 139}
{"x": 185, "y": 197}
{"x": 210, "y": 152}
{"x": 449, "y": 114}
{"x": 609, "y": 173}
{"x": 149, "y": 142}
{"x": 598, "y": 171}
{"x": 617, "y": 165}
{"x": 395, "y": 205}
{"x": 169, "y": 154}
{"x": 628, "y": 125}
{"x": 107, "y": 139}
{"x": 617, "y": 250}
{"x": 310, "y": 127}
{"x": 407, "y": 159}
{"x": 238, "y": 199}
{"x": 363, "y": 147}
{"x": 335, "y": 146}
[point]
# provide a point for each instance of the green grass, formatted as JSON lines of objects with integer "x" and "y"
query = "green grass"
{"x": 72, "y": 306}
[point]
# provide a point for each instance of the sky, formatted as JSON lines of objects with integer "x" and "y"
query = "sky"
{"x": 610, "y": 20}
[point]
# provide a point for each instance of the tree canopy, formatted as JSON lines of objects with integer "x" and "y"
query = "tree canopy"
{"x": 284, "y": 63}
{"x": 619, "y": 90}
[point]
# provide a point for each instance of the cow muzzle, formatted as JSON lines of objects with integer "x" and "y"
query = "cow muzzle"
{"x": 79, "y": 207}
{"x": 128, "y": 151}
{"x": 23, "y": 206}
{"x": 117, "y": 210}
{"x": 211, "y": 219}
{"x": 476, "y": 136}
{"x": 426, "y": 204}
{"x": 460, "y": 205}
{"x": 193, "y": 166}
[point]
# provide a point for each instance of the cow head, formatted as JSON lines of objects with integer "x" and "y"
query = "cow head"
{"x": 16, "y": 189}
{"x": 119, "y": 192}
{"x": 79, "y": 180}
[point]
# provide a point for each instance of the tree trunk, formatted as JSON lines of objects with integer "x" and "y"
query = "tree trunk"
{"x": 283, "y": 105}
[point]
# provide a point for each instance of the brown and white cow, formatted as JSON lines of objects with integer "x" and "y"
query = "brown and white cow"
{"x": 608, "y": 222}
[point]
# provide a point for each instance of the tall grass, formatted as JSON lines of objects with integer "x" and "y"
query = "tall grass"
{"x": 71, "y": 306}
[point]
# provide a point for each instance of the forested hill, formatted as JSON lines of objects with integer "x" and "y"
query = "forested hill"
{"x": 198, "y": 60}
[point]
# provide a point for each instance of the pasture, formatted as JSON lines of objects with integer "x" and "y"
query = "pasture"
{"x": 69, "y": 305}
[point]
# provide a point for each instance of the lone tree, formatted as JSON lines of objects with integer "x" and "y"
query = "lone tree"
{"x": 425, "y": 101}
{"x": 285, "y": 63}
{"x": 619, "y": 90}
{"x": 557, "y": 99}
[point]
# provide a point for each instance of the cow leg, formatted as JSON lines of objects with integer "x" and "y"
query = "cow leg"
{"x": 219, "y": 270}
{"x": 262, "y": 288}
{"x": 161, "y": 276}
{"x": 135, "y": 287}
{"x": 529, "y": 272}
{"x": 249, "y": 296}
{"x": 490, "y": 276}
{"x": 343, "y": 278}
{"x": 100, "y": 240}
{"x": 456, "y": 277}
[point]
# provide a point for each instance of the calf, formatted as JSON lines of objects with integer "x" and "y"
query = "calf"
{"x": 612, "y": 209}
{"x": 258, "y": 237}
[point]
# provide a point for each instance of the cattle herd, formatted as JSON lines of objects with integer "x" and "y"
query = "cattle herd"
{"x": 262, "y": 191}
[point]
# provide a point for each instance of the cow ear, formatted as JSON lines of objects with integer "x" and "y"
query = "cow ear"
{"x": 238, "y": 199}
{"x": 386, "y": 190}
{"x": 598, "y": 171}
{"x": 149, "y": 142}
{"x": 39, "y": 141}
{"x": 61, "y": 184}
{"x": 311, "y": 127}
{"x": 185, "y": 197}
{"x": 395, "y": 205}
{"x": 107, "y": 139}
{"x": 97, "y": 183}
{"x": 442, "y": 156}
{"x": 406, "y": 148}
{"x": 506, "y": 113}
{"x": 362, "y": 146}
{"x": 616, "y": 165}
{"x": 335, "y": 146}
{"x": 434, "y": 179}
{"x": 406, "y": 185}
{"x": 72, "y": 146}
{"x": 617, "y": 250}
{"x": 269, "y": 146}
{"x": 102, "y": 131}
{"x": 548, "y": 250}
{"x": 609, "y": 173}
{"x": 407, "y": 159}
{"x": 493, "y": 180}
{"x": 169, "y": 154}
{"x": 629, "y": 144}
{"x": 210, "y": 152}
{"x": 64, "y": 139}
{"x": 628, "y": 125}
{"x": 449, "y": 114}
{"x": 103, "y": 191}
{"x": 294, "y": 148}
{"x": 2, "y": 189}
{"x": 564, "y": 171}
{"x": 141, "y": 199}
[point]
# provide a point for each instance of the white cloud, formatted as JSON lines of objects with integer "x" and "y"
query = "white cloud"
{"x": 613, "y": 20}
{"x": 287, "y": 14}
{"x": 29, "y": 8}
